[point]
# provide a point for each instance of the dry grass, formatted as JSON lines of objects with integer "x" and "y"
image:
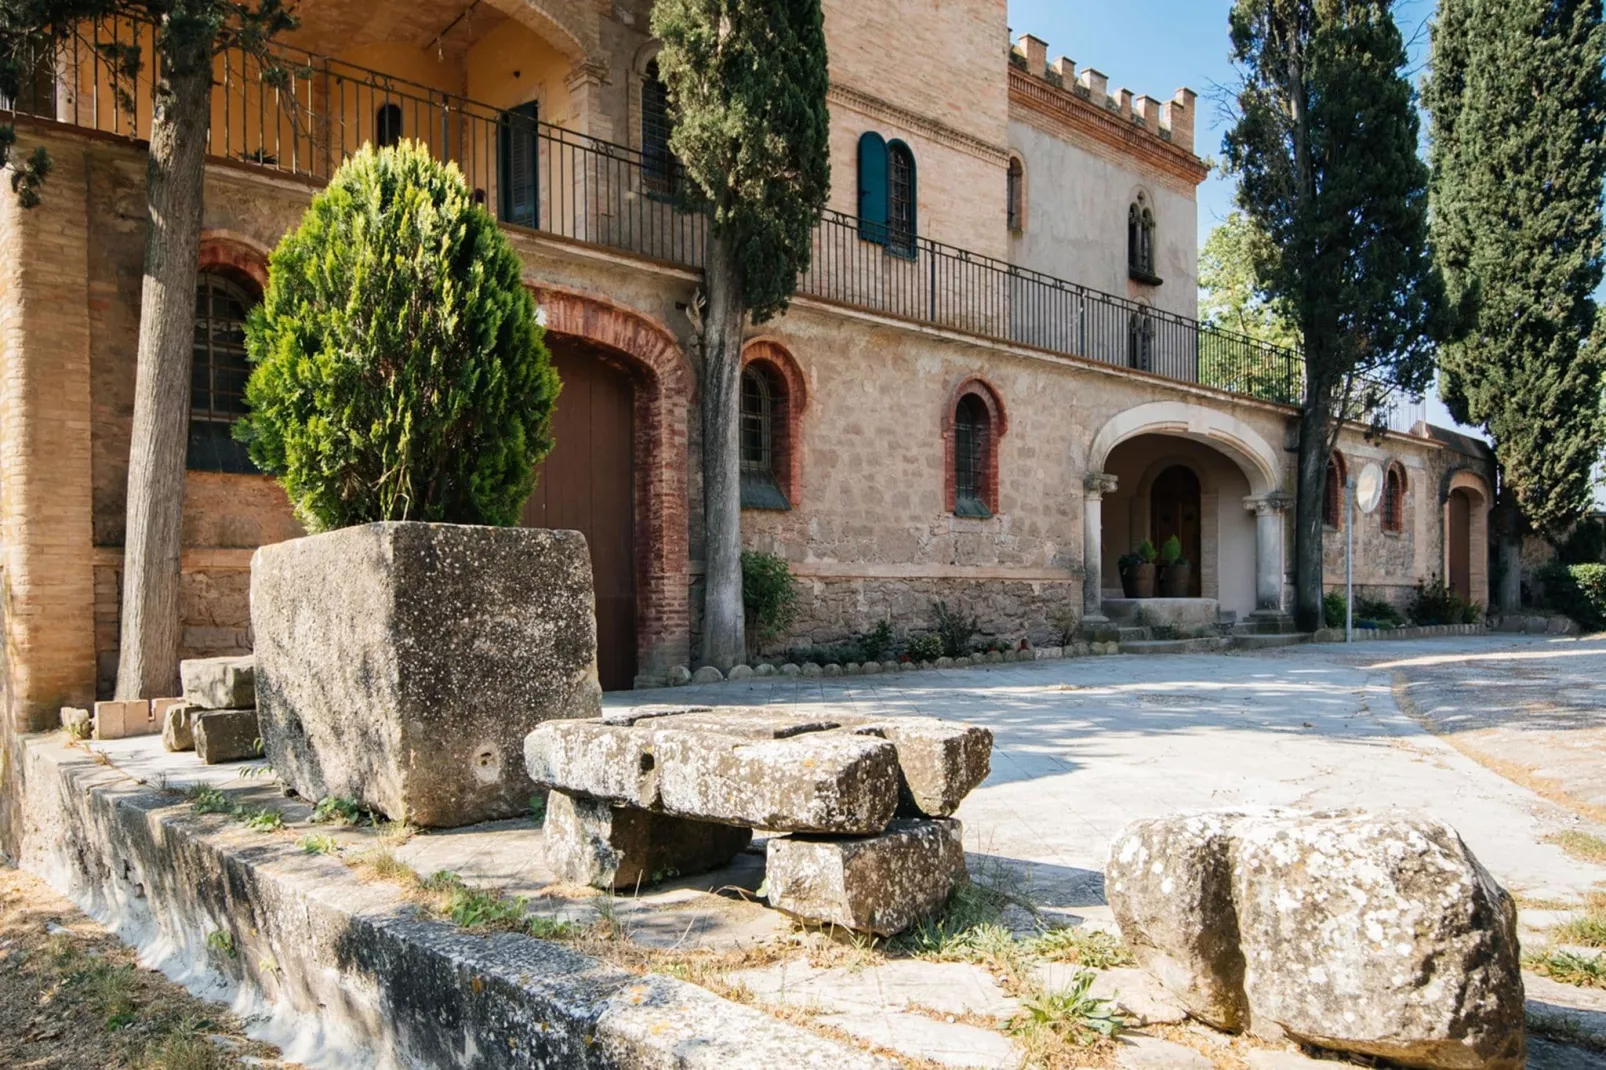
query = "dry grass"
{"x": 1584, "y": 971}
{"x": 1582, "y": 845}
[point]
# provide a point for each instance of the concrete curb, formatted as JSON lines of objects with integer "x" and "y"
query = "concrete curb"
{"x": 343, "y": 972}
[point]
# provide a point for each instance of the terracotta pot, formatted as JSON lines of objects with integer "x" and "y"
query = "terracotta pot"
{"x": 1177, "y": 581}
{"x": 1143, "y": 581}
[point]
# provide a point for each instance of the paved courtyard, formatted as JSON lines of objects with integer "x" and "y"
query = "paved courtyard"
{"x": 1084, "y": 746}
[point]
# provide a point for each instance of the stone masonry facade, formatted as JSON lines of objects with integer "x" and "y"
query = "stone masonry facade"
{"x": 869, "y": 397}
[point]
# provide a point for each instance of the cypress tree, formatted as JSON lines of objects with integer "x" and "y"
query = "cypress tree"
{"x": 1325, "y": 152}
{"x": 1518, "y": 113}
{"x": 747, "y": 82}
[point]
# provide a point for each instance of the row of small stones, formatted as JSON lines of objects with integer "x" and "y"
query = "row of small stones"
{"x": 681, "y": 675}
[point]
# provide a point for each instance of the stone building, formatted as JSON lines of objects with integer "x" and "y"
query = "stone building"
{"x": 990, "y": 385}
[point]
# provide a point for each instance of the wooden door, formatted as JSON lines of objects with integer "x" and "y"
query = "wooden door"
{"x": 1459, "y": 537}
{"x": 587, "y": 484}
{"x": 1174, "y": 510}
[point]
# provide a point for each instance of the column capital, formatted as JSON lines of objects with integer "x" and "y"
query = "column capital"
{"x": 1272, "y": 504}
{"x": 585, "y": 73}
{"x": 1098, "y": 484}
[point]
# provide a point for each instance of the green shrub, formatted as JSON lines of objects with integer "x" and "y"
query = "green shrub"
{"x": 1434, "y": 603}
{"x": 1146, "y": 552}
{"x": 926, "y": 647}
{"x": 1585, "y": 545}
{"x": 1171, "y": 551}
{"x": 768, "y": 595}
{"x": 400, "y": 373}
{"x": 1333, "y": 609}
{"x": 1579, "y": 591}
{"x": 1378, "y": 611}
{"x": 955, "y": 629}
{"x": 876, "y": 644}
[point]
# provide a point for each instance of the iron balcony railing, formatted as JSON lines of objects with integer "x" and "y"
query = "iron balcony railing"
{"x": 303, "y": 114}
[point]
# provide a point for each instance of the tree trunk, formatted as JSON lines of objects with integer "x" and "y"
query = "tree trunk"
{"x": 1313, "y": 451}
{"x": 153, "y": 544}
{"x": 723, "y": 617}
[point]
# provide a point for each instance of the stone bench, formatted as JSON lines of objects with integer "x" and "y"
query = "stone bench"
{"x": 858, "y": 809}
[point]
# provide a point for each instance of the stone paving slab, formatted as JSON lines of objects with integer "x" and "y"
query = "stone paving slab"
{"x": 956, "y": 988}
{"x": 948, "y": 1043}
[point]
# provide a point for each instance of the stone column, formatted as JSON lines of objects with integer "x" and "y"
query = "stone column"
{"x": 1096, "y": 485}
{"x": 1269, "y": 567}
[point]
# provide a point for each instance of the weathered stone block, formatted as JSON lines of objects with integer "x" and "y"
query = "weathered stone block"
{"x": 79, "y": 723}
{"x": 219, "y": 683}
{"x": 604, "y": 761}
{"x": 707, "y": 675}
{"x": 878, "y": 884}
{"x": 764, "y": 669}
{"x": 591, "y": 842}
{"x": 178, "y": 728}
{"x": 1380, "y": 935}
{"x": 790, "y": 669}
{"x": 678, "y": 676}
{"x": 403, "y": 664}
{"x": 939, "y": 762}
{"x": 815, "y": 782}
{"x": 740, "y": 672}
{"x": 226, "y": 736}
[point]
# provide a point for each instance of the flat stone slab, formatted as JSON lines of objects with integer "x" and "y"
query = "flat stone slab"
{"x": 219, "y": 683}
{"x": 879, "y": 884}
{"x": 957, "y": 988}
{"x": 920, "y": 1037}
{"x": 1143, "y": 998}
{"x": 227, "y": 736}
{"x": 816, "y": 783}
{"x": 1138, "y": 1052}
{"x": 594, "y": 843}
{"x": 939, "y": 762}
{"x": 604, "y": 761}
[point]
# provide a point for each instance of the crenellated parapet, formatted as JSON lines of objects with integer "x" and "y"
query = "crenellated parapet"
{"x": 1170, "y": 120}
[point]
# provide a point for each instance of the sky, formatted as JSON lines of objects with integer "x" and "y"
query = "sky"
{"x": 1163, "y": 45}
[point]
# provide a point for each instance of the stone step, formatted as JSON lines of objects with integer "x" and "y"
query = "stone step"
{"x": 1133, "y": 635}
{"x": 1267, "y": 641}
{"x": 1209, "y": 645}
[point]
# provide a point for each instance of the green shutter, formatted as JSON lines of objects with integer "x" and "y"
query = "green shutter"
{"x": 519, "y": 151}
{"x": 873, "y": 187}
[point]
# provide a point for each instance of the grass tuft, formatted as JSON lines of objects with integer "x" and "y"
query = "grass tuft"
{"x": 1568, "y": 968}
{"x": 339, "y": 810}
{"x": 1584, "y": 845}
{"x": 319, "y": 844}
{"x": 1048, "y": 1020}
{"x": 1082, "y": 947}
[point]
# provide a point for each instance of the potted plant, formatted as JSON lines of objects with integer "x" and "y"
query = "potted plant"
{"x": 402, "y": 392}
{"x": 1176, "y": 581}
{"x": 1138, "y": 571}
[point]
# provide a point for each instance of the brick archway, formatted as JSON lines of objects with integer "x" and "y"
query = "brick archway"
{"x": 774, "y": 357}
{"x": 235, "y": 254}
{"x": 663, "y": 397}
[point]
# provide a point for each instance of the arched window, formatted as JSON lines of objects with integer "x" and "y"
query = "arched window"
{"x": 387, "y": 126}
{"x": 971, "y": 447}
{"x": 902, "y": 221}
{"x": 766, "y": 433}
{"x": 218, "y": 371}
{"x": 1333, "y": 492}
{"x": 1140, "y": 342}
{"x": 658, "y": 163}
{"x": 1016, "y": 195}
{"x": 1140, "y": 241}
{"x": 1394, "y": 500}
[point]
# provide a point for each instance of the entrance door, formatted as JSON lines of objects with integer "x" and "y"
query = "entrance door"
{"x": 1459, "y": 537}
{"x": 587, "y": 484}
{"x": 1174, "y": 510}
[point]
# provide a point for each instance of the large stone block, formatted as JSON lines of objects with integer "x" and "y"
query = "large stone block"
{"x": 226, "y": 736}
{"x": 1169, "y": 882}
{"x": 219, "y": 683}
{"x": 879, "y": 884}
{"x": 1379, "y": 935}
{"x": 604, "y": 761}
{"x": 591, "y": 842}
{"x": 939, "y": 762}
{"x": 403, "y": 664}
{"x": 178, "y": 727}
{"x": 1376, "y": 935}
{"x": 810, "y": 783}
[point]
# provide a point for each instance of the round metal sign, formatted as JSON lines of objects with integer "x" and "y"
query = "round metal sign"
{"x": 1369, "y": 487}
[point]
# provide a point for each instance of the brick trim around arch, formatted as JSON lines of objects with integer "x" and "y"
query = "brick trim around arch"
{"x": 660, "y": 454}
{"x": 997, "y": 427}
{"x": 237, "y": 255}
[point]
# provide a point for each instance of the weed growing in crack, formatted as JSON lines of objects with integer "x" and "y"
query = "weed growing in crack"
{"x": 319, "y": 844}
{"x": 220, "y": 942}
{"x": 339, "y": 810}
{"x": 1580, "y": 844}
{"x": 1081, "y": 947}
{"x": 1569, "y": 968}
{"x": 1048, "y": 1019}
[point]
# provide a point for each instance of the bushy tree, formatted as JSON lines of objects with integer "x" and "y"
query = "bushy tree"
{"x": 1249, "y": 349}
{"x": 399, "y": 373}
{"x": 1325, "y": 152}
{"x": 187, "y": 35}
{"x": 747, "y": 82}
{"x": 1518, "y": 123}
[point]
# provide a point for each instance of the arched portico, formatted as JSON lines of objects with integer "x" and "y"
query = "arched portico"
{"x": 1238, "y": 464}
{"x": 1466, "y": 504}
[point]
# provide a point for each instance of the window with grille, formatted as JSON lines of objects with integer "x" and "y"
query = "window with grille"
{"x": 1140, "y": 342}
{"x": 218, "y": 371}
{"x": 1394, "y": 501}
{"x": 388, "y": 126}
{"x": 972, "y": 442}
{"x": 1140, "y": 241}
{"x": 1015, "y": 195}
{"x": 763, "y": 403}
{"x": 1333, "y": 496}
{"x": 901, "y": 206}
{"x": 658, "y": 163}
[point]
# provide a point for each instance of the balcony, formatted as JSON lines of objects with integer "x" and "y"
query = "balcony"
{"x": 302, "y": 114}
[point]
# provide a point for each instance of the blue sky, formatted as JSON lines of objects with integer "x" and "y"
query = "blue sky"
{"x": 1166, "y": 44}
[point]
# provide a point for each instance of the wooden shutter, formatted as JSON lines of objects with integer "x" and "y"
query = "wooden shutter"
{"x": 518, "y": 148}
{"x": 873, "y": 187}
